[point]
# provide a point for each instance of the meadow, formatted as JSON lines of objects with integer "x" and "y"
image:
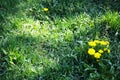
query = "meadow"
{"x": 59, "y": 39}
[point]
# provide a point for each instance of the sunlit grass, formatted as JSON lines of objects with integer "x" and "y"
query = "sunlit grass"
{"x": 53, "y": 44}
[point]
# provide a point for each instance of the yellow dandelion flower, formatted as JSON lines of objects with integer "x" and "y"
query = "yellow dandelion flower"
{"x": 96, "y": 41}
{"x": 92, "y": 43}
{"x": 97, "y": 55}
{"x": 91, "y": 51}
{"x": 100, "y": 51}
{"x": 104, "y": 42}
{"x": 45, "y": 9}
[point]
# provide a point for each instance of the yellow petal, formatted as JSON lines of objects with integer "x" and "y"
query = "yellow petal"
{"x": 91, "y": 51}
{"x": 97, "y": 55}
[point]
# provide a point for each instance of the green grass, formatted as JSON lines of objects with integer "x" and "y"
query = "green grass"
{"x": 39, "y": 45}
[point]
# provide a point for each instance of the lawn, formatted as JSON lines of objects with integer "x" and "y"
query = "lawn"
{"x": 59, "y": 39}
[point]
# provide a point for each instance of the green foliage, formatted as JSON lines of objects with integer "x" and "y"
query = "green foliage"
{"x": 53, "y": 45}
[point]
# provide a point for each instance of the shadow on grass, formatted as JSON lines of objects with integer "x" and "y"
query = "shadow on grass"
{"x": 69, "y": 64}
{"x": 7, "y": 7}
{"x": 8, "y": 4}
{"x": 75, "y": 7}
{"x": 113, "y": 5}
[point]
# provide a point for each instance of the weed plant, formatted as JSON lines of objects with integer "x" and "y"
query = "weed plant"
{"x": 59, "y": 39}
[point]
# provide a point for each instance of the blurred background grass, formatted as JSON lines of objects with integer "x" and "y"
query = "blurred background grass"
{"x": 52, "y": 45}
